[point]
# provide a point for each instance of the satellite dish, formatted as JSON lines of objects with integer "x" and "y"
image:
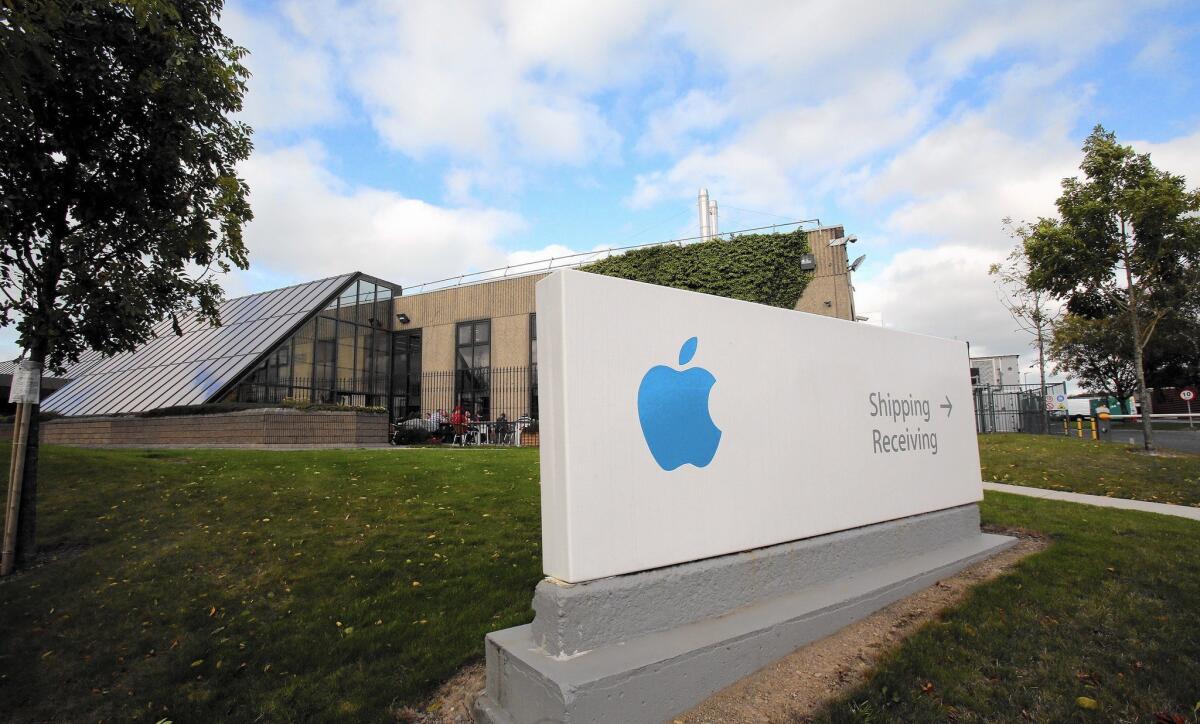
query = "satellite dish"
{"x": 854, "y": 264}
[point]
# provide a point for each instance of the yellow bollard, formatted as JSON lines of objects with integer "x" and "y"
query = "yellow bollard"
{"x": 1095, "y": 434}
{"x": 1066, "y": 430}
{"x": 1079, "y": 427}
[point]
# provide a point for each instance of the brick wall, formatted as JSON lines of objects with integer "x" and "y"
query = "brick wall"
{"x": 232, "y": 429}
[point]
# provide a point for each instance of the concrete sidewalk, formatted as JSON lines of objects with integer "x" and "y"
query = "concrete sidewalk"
{"x": 1181, "y": 511}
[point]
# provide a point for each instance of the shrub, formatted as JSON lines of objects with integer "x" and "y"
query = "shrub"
{"x": 215, "y": 408}
{"x": 307, "y": 406}
{"x": 412, "y": 436}
{"x": 762, "y": 268}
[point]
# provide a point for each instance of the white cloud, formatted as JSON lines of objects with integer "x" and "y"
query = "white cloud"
{"x": 1161, "y": 51}
{"x": 1047, "y": 31}
{"x": 462, "y": 183}
{"x": 670, "y": 129}
{"x": 958, "y": 181}
{"x": 292, "y": 83}
{"x": 310, "y": 224}
{"x": 809, "y": 49}
{"x": 481, "y": 80}
{"x": 944, "y": 291}
{"x": 947, "y": 292}
{"x": 784, "y": 158}
{"x": 1179, "y": 156}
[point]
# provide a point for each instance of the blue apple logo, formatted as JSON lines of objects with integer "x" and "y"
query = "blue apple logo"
{"x": 673, "y": 409}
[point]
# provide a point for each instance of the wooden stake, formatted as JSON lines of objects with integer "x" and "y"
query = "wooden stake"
{"x": 16, "y": 471}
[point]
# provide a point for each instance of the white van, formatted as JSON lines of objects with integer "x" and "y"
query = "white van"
{"x": 1079, "y": 407}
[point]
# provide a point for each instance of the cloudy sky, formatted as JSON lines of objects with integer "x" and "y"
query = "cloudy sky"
{"x": 414, "y": 140}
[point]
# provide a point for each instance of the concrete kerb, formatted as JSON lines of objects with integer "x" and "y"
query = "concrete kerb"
{"x": 1180, "y": 511}
{"x": 647, "y": 646}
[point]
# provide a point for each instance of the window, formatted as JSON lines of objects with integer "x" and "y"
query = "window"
{"x": 533, "y": 367}
{"x": 406, "y": 374}
{"x": 343, "y": 383}
{"x": 974, "y": 375}
{"x": 474, "y": 346}
{"x": 342, "y": 356}
{"x": 473, "y": 363}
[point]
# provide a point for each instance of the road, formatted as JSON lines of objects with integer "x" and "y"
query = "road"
{"x": 1183, "y": 440}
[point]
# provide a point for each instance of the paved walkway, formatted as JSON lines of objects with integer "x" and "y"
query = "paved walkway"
{"x": 1181, "y": 511}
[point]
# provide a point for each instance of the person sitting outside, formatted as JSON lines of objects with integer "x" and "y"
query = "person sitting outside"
{"x": 458, "y": 421}
{"x": 503, "y": 429}
{"x": 439, "y": 424}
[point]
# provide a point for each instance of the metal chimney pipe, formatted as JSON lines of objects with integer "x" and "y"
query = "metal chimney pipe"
{"x": 714, "y": 231}
{"x": 702, "y": 205}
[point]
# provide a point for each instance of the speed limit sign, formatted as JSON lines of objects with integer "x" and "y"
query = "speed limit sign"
{"x": 1187, "y": 395}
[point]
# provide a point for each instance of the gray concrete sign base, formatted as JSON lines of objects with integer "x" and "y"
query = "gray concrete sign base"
{"x": 646, "y": 646}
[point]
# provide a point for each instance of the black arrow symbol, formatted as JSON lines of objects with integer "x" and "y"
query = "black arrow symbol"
{"x": 949, "y": 407}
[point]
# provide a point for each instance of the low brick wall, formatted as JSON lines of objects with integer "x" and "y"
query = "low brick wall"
{"x": 264, "y": 427}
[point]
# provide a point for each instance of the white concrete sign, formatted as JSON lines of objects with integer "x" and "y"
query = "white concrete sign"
{"x": 677, "y": 426}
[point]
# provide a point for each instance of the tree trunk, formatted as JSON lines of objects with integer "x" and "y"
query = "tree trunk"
{"x": 1143, "y": 394}
{"x": 1041, "y": 346}
{"x": 1136, "y": 327}
{"x": 27, "y": 521}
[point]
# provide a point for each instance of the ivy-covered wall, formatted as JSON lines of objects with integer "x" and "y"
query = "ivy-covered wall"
{"x": 763, "y": 268}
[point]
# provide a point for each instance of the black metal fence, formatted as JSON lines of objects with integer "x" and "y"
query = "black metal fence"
{"x": 485, "y": 393}
{"x": 1017, "y": 408}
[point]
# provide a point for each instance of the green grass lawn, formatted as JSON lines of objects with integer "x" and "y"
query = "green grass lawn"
{"x": 1085, "y": 466}
{"x": 1110, "y": 612}
{"x": 219, "y": 585}
{"x": 216, "y": 585}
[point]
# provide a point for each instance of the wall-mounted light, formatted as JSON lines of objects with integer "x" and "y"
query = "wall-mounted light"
{"x": 402, "y": 318}
{"x": 855, "y": 264}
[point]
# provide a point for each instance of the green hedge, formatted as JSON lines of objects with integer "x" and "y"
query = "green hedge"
{"x": 763, "y": 268}
{"x": 218, "y": 408}
{"x": 42, "y": 417}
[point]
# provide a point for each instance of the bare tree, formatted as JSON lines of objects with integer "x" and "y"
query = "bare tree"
{"x": 1035, "y": 311}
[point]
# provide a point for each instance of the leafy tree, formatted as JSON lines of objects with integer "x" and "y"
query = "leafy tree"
{"x": 1092, "y": 344}
{"x": 1096, "y": 352}
{"x": 1126, "y": 225}
{"x": 1034, "y": 310}
{"x": 1173, "y": 359}
{"x": 118, "y": 190}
